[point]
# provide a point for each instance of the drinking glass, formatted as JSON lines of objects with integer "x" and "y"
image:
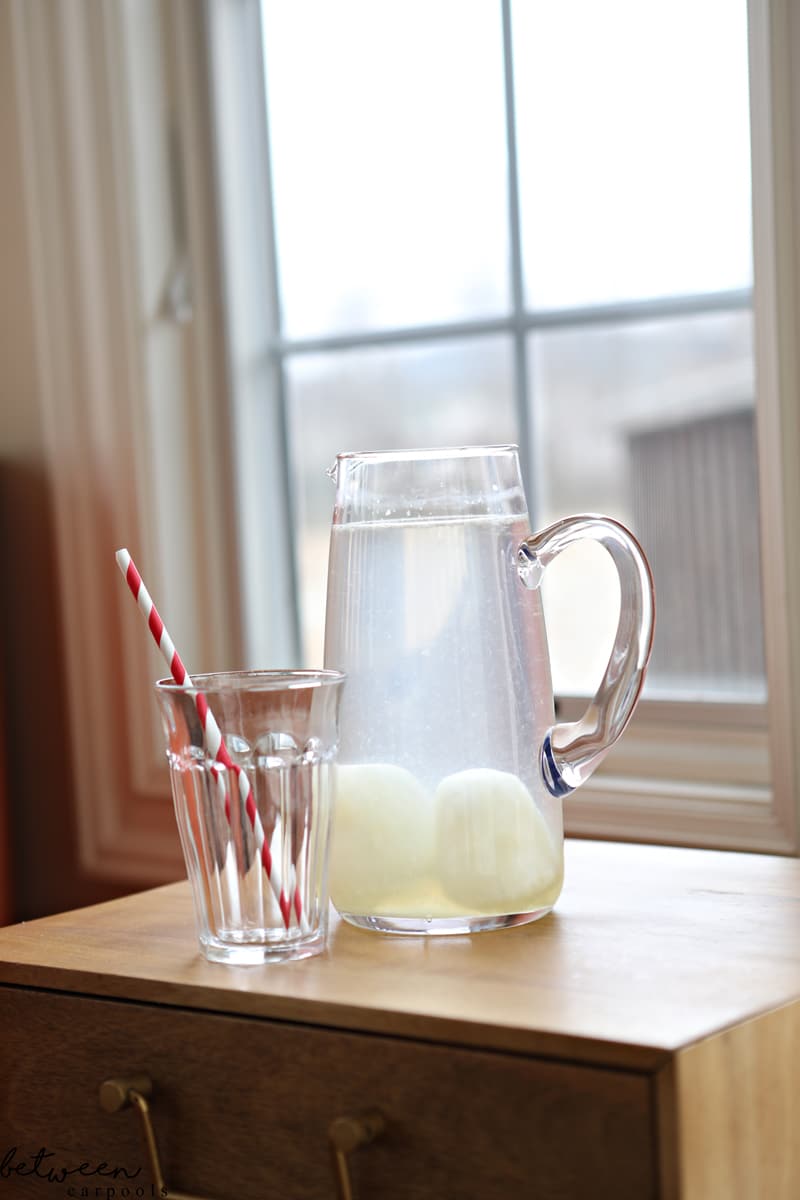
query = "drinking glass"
{"x": 254, "y": 810}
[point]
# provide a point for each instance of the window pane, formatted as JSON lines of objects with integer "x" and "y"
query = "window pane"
{"x": 633, "y": 133}
{"x": 448, "y": 394}
{"x": 389, "y": 161}
{"x": 653, "y": 423}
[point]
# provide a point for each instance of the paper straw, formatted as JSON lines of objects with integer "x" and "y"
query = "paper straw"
{"x": 215, "y": 743}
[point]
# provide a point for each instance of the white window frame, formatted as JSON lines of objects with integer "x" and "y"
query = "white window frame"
{"x": 760, "y": 808}
{"x": 712, "y": 774}
{"x": 125, "y": 371}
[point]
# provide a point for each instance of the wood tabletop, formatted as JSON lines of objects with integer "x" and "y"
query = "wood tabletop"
{"x": 649, "y": 949}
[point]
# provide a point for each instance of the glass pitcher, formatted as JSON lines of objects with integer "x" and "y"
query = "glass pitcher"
{"x": 452, "y": 768}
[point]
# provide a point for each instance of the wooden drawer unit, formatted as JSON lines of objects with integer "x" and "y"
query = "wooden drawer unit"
{"x": 620, "y": 1050}
{"x": 241, "y": 1107}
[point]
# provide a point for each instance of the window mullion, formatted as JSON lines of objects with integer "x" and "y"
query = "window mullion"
{"x": 279, "y": 374}
{"x": 620, "y": 313}
{"x": 521, "y": 379}
{"x": 252, "y": 322}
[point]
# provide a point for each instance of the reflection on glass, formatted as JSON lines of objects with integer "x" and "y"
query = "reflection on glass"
{"x": 389, "y": 161}
{"x": 653, "y": 423}
{"x": 634, "y": 152}
{"x": 447, "y": 394}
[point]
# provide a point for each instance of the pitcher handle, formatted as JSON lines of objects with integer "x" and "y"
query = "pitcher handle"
{"x": 571, "y": 751}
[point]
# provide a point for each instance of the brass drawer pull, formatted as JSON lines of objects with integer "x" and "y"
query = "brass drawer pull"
{"x": 116, "y": 1094}
{"x": 347, "y": 1134}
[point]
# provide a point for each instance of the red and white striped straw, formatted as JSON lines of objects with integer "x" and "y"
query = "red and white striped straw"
{"x": 215, "y": 743}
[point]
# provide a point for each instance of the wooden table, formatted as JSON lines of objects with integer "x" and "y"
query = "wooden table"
{"x": 642, "y": 1041}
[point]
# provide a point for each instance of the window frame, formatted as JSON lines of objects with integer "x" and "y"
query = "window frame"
{"x": 624, "y": 800}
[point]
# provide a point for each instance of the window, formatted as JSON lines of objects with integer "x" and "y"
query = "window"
{"x": 532, "y": 222}
{"x": 625, "y": 379}
{"x": 504, "y": 221}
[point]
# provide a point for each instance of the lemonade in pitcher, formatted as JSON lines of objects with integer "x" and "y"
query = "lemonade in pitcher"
{"x": 448, "y": 799}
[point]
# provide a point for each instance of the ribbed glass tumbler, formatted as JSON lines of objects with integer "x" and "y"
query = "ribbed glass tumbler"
{"x": 252, "y": 762}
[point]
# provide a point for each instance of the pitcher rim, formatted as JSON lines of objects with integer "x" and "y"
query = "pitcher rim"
{"x": 430, "y": 452}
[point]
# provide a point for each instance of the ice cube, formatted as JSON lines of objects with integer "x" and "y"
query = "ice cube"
{"x": 382, "y": 835}
{"x": 494, "y": 850}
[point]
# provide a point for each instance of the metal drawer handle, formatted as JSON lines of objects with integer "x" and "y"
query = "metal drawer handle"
{"x": 116, "y": 1094}
{"x": 347, "y": 1134}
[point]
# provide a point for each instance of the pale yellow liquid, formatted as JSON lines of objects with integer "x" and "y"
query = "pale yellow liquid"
{"x": 447, "y": 674}
{"x": 477, "y": 847}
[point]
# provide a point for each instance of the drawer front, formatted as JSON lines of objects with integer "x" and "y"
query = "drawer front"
{"x": 241, "y": 1109}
